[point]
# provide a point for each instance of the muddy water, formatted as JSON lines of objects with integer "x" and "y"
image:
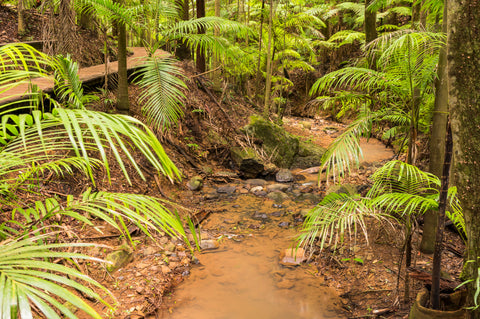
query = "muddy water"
{"x": 244, "y": 279}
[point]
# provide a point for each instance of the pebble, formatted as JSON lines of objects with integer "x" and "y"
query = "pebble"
{"x": 292, "y": 256}
{"x": 256, "y": 182}
{"x": 277, "y": 187}
{"x": 209, "y": 244}
{"x": 284, "y": 176}
{"x": 226, "y": 189}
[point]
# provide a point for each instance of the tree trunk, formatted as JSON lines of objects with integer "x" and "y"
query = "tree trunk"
{"x": 464, "y": 102}
{"x": 442, "y": 205}
{"x": 258, "y": 74}
{"x": 437, "y": 140}
{"x": 123, "y": 104}
{"x": 370, "y": 24}
{"x": 268, "y": 84}
{"x": 183, "y": 52}
{"x": 201, "y": 51}
{"x": 21, "y": 27}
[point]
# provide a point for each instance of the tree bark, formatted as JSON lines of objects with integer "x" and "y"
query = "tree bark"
{"x": 183, "y": 52}
{"x": 370, "y": 23}
{"x": 463, "y": 59}
{"x": 21, "y": 26}
{"x": 123, "y": 104}
{"x": 268, "y": 84}
{"x": 437, "y": 140}
{"x": 201, "y": 51}
{"x": 258, "y": 74}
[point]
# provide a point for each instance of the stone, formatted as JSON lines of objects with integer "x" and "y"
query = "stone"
{"x": 256, "y": 189}
{"x": 256, "y": 182}
{"x": 278, "y": 197}
{"x": 277, "y": 187}
{"x": 306, "y": 125}
{"x": 247, "y": 161}
{"x": 285, "y": 284}
{"x": 276, "y": 142}
{"x": 209, "y": 244}
{"x": 269, "y": 169}
{"x": 260, "y": 216}
{"x": 119, "y": 258}
{"x": 228, "y": 189}
{"x": 283, "y": 224}
{"x": 195, "y": 183}
{"x": 292, "y": 256}
{"x": 311, "y": 170}
{"x": 284, "y": 176}
{"x": 309, "y": 154}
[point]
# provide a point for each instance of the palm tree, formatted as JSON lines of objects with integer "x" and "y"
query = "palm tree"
{"x": 67, "y": 138}
{"x": 399, "y": 92}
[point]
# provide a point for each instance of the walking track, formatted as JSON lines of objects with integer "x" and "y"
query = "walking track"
{"x": 87, "y": 75}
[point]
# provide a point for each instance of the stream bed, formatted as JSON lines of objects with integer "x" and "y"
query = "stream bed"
{"x": 242, "y": 273}
{"x": 243, "y": 278}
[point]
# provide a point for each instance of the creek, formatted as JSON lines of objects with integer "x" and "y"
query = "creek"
{"x": 244, "y": 276}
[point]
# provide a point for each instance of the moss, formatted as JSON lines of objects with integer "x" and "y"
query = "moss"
{"x": 276, "y": 142}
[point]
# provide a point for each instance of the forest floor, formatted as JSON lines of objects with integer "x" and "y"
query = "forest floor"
{"x": 364, "y": 276}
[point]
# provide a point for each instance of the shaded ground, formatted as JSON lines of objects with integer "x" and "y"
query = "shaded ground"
{"x": 89, "y": 47}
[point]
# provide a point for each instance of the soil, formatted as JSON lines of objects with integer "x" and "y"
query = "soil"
{"x": 365, "y": 276}
{"x": 90, "y": 45}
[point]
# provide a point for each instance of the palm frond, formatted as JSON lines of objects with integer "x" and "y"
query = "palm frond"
{"x": 28, "y": 277}
{"x": 161, "y": 83}
{"x": 335, "y": 217}
{"x": 68, "y": 86}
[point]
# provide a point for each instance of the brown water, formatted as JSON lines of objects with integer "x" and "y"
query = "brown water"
{"x": 244, "y": 279}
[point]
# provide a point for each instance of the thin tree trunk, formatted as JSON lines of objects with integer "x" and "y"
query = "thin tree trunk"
{"x": 437, "y": 141}
{"x": 258, "y": 74}
{"x": 370, "y": 24}
{"x": 200, "y": 51}
{"x": 268, "y": 84}
{"x": 442, "y": 205}
{"x": 464, "y": 104}
{"x": 21, "y": 27}
{"x": 123, "y": 104}
{"x": 183, "y": 52}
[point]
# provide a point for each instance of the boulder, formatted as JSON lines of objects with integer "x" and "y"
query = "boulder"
{"x": 308, "y": 155}
{"x": 276, "y": 142}
{"x": 247, "y": 161}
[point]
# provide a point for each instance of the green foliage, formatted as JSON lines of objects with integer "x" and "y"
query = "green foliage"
{"x": 399, "y": 189}
{"x": 161, "y": 82}
{"x": 66, "y": 139}
{"x": 397, "y": 92}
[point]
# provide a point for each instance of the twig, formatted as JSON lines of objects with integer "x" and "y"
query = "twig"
{"x": 204, "y": 88}
{"x": 157, "y": 181}
{"x": 206, "y": 72}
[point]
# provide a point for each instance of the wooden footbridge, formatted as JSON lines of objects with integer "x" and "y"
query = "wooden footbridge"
{"x": 89, "y": 76}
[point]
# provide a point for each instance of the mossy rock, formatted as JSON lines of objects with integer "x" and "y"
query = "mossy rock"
{"x": 119, "y": 258}
{"x": 247, "y": 161}
{"x": 276, "y": 142}
{"x": 309, "y": 155}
